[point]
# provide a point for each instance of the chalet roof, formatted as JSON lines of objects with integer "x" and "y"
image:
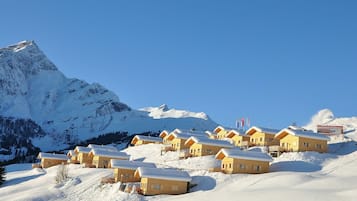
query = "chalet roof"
{"x": 110, "y": 153}
{"x": 161, "y": 173}
{"x": 191, "y": 132}
{"x": 83, "y": 149}
{"x": 185, "y": 136}
{"x": 222, "y": 128}
{"x": 148, "y": 138}
{"x": 262, "y": 130}
{"x": 107, "y": 147}
{"x": 52, "y": 156}
{"x": 164, "y": 133}
{"x": 236, "y": 132}
{"x": 71, "y": 153}
{"x": 207, "y": 141}
{"x": 132, "y": 165}
{"x": 301, "y": 133}
{"x": 247, "y": 155}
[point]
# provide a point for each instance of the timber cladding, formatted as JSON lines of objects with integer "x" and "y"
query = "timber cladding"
{"x": 234, "y": 165}
{"x": 48, "y": 162}
{"x": 100, "y": 161}
{"x": 295, "y": 143}
{"x": 151, "y": 186}
{"x": 197, "y": 149}
{"x": 263, "y": 139}
{"x": 84, "y": 158}
{"x": 125, "y": 175}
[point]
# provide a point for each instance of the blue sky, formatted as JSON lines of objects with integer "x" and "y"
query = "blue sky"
{"x": 276, "y": 62}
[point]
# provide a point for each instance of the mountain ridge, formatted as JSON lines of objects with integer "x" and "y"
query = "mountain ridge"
{"x": 32, "y": 87}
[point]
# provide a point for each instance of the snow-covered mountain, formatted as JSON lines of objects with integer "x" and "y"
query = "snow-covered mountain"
{"x": 326, "y": 117}
{"x": 31, "y": 87}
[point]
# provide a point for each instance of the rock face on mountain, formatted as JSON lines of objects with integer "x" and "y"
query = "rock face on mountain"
{"x": 71, "y": 110}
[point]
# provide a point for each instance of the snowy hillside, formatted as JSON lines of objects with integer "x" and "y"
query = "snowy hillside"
{"x": 326, "y": 117}
{"x": 69, "y": 110}
{"x": 298, "y": 176}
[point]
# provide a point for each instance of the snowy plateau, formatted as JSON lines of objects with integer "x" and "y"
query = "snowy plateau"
{"x": 67, "y": 110}
{"x": 307, "y": 176}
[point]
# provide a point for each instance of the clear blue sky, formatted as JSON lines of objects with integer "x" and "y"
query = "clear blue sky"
{"x": 276, "y": 62}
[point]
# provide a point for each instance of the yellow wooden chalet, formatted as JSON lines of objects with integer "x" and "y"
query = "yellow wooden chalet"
{"x": 101, "y": 157}
{"x": 52, "y": 159}
{"x": 124, "y": 169}
{"x": 177, "y": 141}
{"x": 142, "y": 139}
{"x": 237, "y": 161}
{"x": 239, "y": 138}
{"x": 260, "y": 136}
{"x": 202, "y": 146}
{"x": 302, "y": 140}
{"x": 221, "y": 132}
{"x": 82, "y": 154}
{"x": 155, "y": 181}
{"x": 72, "y": 156}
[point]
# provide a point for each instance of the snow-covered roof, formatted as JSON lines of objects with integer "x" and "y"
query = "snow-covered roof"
{"x": 235, "y": 132}
{"x": 107, "y": 147}
{"x": 183, "y": 136}
{"x": 132, "y": 165}
{"x": 191, "y": 132}
{"x": 220, "y": 128}
{"x": 52, "y": 156}
{"x": 71, "y": 153}
{"x": 207, "y": 141}
{"x": 82, "y": 149}
{"x": 164, "y": 133}
{"x": 110, "y": 153}
{"x": 301, "y": 133}
{"x": 247, "y": 155}
{"x": 148, "y": 138}
{"x": 262, "y": 130}
{"x": 161, "y": 173}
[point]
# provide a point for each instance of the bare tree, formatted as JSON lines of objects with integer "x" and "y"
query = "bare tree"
{"x": 62, "y": 173}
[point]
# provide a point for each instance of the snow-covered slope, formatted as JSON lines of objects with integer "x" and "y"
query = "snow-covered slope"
{"x": 297, "y": 176}
{"x": 69, "y": 110}
{"x": 326, "y": 117}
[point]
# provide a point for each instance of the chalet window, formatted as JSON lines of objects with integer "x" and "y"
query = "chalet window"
{"x": 241, "y": 166}
{"x": 318, "y": 146}
{"x": 306, "y": 144}
{"x": 230, "y": 165}
{"x": 191, "y": 151}
{"x": 261, "y": 139}
{"x": 238, "y": 141}
{"x": 222, "y": 165}
{"x": 178, "y": 144}
{"x": 209, "y": 151}
{"x": 252, "y": 140}
{"x": 198, "y": 150}
{"x": 282, "y": 144}
{"x": 156, "y": 186}
{"x": 175, "y": 188}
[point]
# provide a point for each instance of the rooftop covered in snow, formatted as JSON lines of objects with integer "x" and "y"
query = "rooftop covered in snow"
{"x": 109, "y": 154}
{"x": 146, "y": 138}
{"x": 132, "y": 165}
{"x": 161, "y": 173}
{"x": 247, "y": 155}
{"x": 254, "y": 129}
{"x": 207, "y": 141}
{"x": 80, "y": 149}
{"x": 52, "y": 156}
{"x": 301, "y": 133}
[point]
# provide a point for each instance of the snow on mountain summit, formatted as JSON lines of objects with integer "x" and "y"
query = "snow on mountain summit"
{"x": 164, "y": 112}
{"x": 68, "y": 110}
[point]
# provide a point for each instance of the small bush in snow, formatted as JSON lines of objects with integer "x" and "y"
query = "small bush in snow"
{"x": 62, "y": 173}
